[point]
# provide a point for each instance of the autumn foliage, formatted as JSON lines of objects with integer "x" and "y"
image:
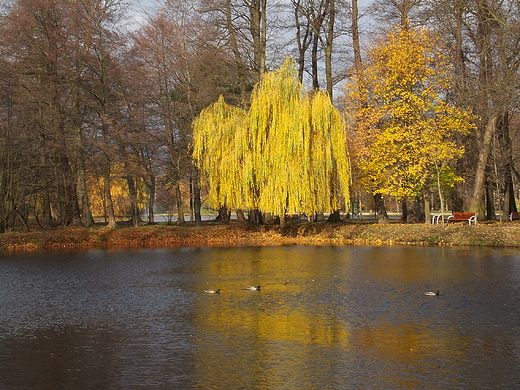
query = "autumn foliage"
{"x": 403, "y": 128}
{"x": 286, "y": 153}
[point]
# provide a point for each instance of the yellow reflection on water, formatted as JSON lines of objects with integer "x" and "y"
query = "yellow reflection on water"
{"x": 343, "y": 318}
{"x": 272, "y": 334}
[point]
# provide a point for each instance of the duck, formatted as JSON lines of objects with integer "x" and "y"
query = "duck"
{"x": 253, "y": 288}
{"x": 210, "y": 291}
{"x": 432, "y": 293}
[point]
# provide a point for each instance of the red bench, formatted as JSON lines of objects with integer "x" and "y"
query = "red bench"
{"x": 471, "y": 218}
{"x": 514, "y": 216}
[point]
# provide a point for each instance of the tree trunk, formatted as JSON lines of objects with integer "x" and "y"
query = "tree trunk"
{"x": 106, "y": 168}
{"x": 416, "y": 212}
{"x": 241, "y": 216}
{"x": 334, "y": 216}
{"x": 404, "y": 210}
{"x": 69, "y": 207}
{"x": 459, "y": 53}
{"x": 328, "y": 47}
{"x": 477, "y": 199}
{"x": 196, "y": 198}
{"x": 314, "y": 61}
{"x": 283, "y": 221}
{"x": 263, "y": 35}
{"x": 180, "y": 207}
{"x": 358, "y": 62}
{"x": 150, "y": 183}
{"x": 319, "y": 217}
{"x": 47, "y": 217}
{"x": 62, "y": 209}
{"x": 303, "y": 38}
{"x": 506, "y": 162}
{"x": 439, "y": 192}
{"x": 509, "y": 199}
{"x": 81, "y": 183}
{"x": 241, "y": 68}
{"x": 134, "y": 210}
{"x": 490, "y": 201}
{"x": 427, "y": 206}
{"x": 258, "y": 30}
{"x": 380, "y": 209}
{"x": 255, "y": 217}
{"x": 111, "y": 216}
{"x": 224, "y": 215}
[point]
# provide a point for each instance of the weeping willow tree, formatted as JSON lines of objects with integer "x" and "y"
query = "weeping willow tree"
{"x": 286, "y": 154}
{"x": 220, "y": 153}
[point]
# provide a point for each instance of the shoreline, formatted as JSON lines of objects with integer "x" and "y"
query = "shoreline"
{"x": 491, "y": 234}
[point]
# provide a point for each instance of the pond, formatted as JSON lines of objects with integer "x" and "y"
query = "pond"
{"x": 324, "y": 318}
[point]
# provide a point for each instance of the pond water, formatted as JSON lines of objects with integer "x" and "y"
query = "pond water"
{"x": 347, "y": 318}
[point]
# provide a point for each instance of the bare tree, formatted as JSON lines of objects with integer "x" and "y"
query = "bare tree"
{"x": 100, "y": 81}
{"x": 486, "y": 47}
{"x": 37, "y": 47}
{"x": 186, "y": 70}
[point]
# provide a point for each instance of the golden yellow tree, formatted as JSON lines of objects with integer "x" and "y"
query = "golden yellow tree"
{"x": 286, "y": 154}
{"x": 403, "y": 126}
{"x": 218, "y": 150}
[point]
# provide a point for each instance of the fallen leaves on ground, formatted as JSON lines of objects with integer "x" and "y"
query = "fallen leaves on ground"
{"x": 234, "y": 234}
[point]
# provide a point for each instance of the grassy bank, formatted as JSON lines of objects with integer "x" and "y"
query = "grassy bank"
{"x": 483, "y": 234}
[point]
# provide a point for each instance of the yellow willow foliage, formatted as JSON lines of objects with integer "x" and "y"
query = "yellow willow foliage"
{"x": 403, "y": 129}
{"x": 288, "y": 153}
{"x": 221, "y": 162}
{"x": 329, "y": 162}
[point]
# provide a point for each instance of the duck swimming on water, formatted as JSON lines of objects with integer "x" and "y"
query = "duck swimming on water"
{"x": 253, "y": 288}
{"x": 432, "y": 293}
{"x": 212, "y": 291}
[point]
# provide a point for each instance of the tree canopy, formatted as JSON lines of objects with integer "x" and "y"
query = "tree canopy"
{"x": 404, "y": 126}
{"x": 98, "y": 98}
{"x": 287, "y": 153}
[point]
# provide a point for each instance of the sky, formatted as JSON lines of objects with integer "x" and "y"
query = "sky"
{"x": 140, "y": 8}
{"x": 144, "y": 4}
